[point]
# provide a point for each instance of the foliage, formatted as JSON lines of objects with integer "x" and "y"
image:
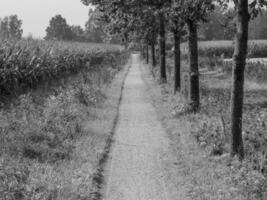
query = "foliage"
{"x": 125, "y": 20}
{"x": 10, "y": 27}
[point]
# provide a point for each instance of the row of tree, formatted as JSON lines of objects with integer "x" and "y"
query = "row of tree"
{"x": 145, "y": 20}
{"x": 59, "y": 29}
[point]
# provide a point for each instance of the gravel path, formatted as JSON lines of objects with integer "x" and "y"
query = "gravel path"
{"x": 135, "y": 169}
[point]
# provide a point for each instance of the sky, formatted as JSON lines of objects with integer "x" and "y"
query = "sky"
{"x": 36, "y": 14}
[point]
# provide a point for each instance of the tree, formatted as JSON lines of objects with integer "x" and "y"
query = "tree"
{"x": 243, "y": 16}
{"x": 58, "y": 29}
{"x": 177, "y": 28}
{"x": 162, "y": 42}
{"x": 10, "y": 27}
{"x": 194, "y": 12}
{"x": 239, "y": 63}
{"x": 239, "y": 58}
{"x": 153, "y": 47}
{"x": 78, "y": 33}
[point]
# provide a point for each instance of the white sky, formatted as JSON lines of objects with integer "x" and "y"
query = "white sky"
{"x": 36, "y": 14}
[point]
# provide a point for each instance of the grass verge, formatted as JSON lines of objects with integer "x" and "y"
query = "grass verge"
{"x": 198, "y": 167}
{"x": 98, "y": 177}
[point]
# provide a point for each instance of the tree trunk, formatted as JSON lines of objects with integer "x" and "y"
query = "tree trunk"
{"x": 163, "y": 75}
{"x": 239, "y": 63}
{"x": 142, "y": 51}
{"x": 147, "y": 54}
{"x": 177, "y": 62}
{"x": 153, "y": 54}
{"x": 193, "y": 65}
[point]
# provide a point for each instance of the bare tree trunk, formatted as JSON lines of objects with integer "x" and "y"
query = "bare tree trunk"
{"x": 147, "y": 54}
{"x": 177, "y": 62}
{"x": 193, "y": 65}
{"x": 163, "y": 75}
{"x": 237, "y": 95}
{"x": 153, "y": 55}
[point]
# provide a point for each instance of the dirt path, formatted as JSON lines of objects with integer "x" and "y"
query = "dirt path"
{"x": 135, "y": 170}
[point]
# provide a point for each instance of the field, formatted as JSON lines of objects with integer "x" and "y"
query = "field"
{"x": 225, "y": 48}
{"x": 28, "y": 63}
{"x": 59, "y": 102}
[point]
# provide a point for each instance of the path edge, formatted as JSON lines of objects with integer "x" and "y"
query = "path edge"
{"x": 98, "y": 178}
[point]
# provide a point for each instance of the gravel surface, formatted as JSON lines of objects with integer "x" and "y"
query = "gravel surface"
{"x": 135, "y": 170}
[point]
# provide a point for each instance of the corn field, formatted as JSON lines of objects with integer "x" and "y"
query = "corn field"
{"x": 27, "y": 63}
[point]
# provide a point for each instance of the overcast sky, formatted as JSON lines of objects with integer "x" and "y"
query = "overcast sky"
{"x": 36, "y": 14}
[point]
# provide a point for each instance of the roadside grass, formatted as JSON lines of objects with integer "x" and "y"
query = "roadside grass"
{"x": 202, "y": 167}
{"x": 52, "y": 137}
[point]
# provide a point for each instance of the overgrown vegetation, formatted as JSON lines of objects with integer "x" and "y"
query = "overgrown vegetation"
{"x": 50, "y": 138}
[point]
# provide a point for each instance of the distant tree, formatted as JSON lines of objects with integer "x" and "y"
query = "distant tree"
{"x": 220, "y": 25}
{"x": 78, "y": 34}
{"x": 10, "y": 27}
{"x": 58, "y": 29}
{"x": 94, "y": 27}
